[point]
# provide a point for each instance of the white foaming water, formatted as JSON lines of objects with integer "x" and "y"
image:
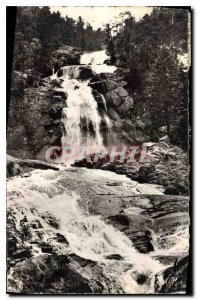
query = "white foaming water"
{"x": 96, "y": 60}
{"x": 81, "y": 118}
{"x": 88, "y": 236}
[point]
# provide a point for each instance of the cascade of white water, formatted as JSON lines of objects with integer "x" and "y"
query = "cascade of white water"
{"x": 88, "y": 235}
{"x": 96, "y": 60}
{"x": 81, "y": 118}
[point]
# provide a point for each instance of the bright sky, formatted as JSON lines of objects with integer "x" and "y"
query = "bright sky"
{"x": 98, "y": 16}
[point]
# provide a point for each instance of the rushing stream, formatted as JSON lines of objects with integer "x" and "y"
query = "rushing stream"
{"x": 66, "y": 196}
{"x": 81, "y": 117}
{"x": 88, "y": 235}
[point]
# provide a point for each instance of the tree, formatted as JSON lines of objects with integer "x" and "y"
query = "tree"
{"x": 110, "y": 44}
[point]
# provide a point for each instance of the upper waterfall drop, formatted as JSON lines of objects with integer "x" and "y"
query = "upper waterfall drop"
{"x": 97, "y": 61}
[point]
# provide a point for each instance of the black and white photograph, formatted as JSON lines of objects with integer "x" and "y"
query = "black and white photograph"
{"x": 98, "y": 149}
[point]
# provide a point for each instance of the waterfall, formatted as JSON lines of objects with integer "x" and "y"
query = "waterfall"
{"x": 81, "y": 119}
{"x": 96, "y": 60}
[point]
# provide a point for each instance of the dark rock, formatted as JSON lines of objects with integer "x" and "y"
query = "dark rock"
{"x": 107, "y": 62}
{"x": 114, "y": 257}
{"x": 56, "y": 99}
{"x": 125, "y": 108}
{"x": 61, "y": 93}
{"x": 47, "y": 71}
{"x": 165, "y": 139}
{"x": 122, "y": 219}
{"x": 141, "y": 278}
{"x": 136, "y": 228}
{"x": 61, "y": 238}
{"x": 113, "y": 99}
{"x": 65, "y": 56}
{"x": 100, "y": 101}
{"x": 47, "y": 274}
{"x": 145, "y": 172}
{"x": 95, "y": 78}
{"x": 28, "y": 113}
{"x": 173, "y": 279}
{"x": 60, "y": 73}
{"x": 11, "y": 244}
{"x": 83, "y": 262}
{"x": 142, "y": 240}
{"x": 36, "y": 224}
{"x": 85, "y": 73}
{"x": 116, "y": 96}
{"x": 55, "y": 83}
{"x": 47, "y": 248}
{"x": 55, "y": 113}
{"x": 13, "y": 168}
{"x": 104, "y": 86}
{"x": 51, "y": 220}
{"x": 112, "y": 113}
{"x": 23, "y": 254}
{"x": 24, "y": 165}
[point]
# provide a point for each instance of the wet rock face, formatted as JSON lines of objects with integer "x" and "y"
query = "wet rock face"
{"x": 85, "y": 73}
{"x": 164, "y": 168}
{"x": 47, "y": 274}
{"x": 119, "y": 108}
{"x": 34, "y": 116}
{"x": 135, "y": 229}
{"x": 173, "y": 279}
{"x": 114, "y": 257}
{"x": 21, "y": 167}
{"x": 116, "y": 96}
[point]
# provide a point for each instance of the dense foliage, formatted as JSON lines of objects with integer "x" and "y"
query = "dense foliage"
{"x": 40, "y": 32}
{"x": 150, "y": 51}
{"x": 147, "y": 53}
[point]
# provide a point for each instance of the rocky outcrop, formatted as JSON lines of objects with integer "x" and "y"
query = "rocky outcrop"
{"x": 35, "y": 119}
{"x": 47, "y": 274}
{"x": 76, "y": 72}
{"x": 173, "y": 279}
{"x": 16, "y": 166}
{"x": 116, "y": 96}
{"x": 167, "y": 166}
{"x": 41, "y": 238}
{"x": 66, "y": 56}
{"x": 136, "y": 229}
{"x": 119, "y": 106}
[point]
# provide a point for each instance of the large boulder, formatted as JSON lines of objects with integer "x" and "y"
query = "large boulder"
{"x": 16, "y": 166}
{"x": 126, "y": 106}
{"x": 117, "y": 97}
{"x": 103, "y": 86}
{"x": 66, "y": 56}
{"x": 173, "y": 279}
{"x": 47, "y": 274}
{"x": 112, "y": 113}
{"x": 85, "y": 73}
{"x": 136, "y": 228}
{"x": 76, "y": 72}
